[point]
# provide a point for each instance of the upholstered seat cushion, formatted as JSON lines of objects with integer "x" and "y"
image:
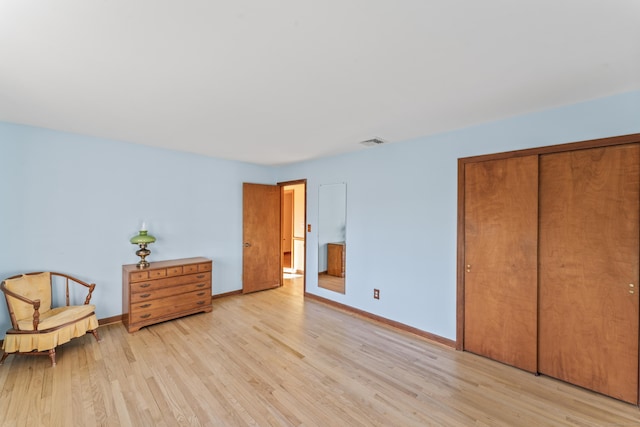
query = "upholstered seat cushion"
{"x": 56, "y": 317}
{"x": 49, "y": 340}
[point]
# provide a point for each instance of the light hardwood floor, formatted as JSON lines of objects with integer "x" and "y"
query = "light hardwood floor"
{"x": 332, "y": 283}
{"x": 273, "y": 358}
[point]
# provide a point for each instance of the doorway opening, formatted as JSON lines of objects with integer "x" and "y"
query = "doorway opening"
{"x": 293, "y": 232}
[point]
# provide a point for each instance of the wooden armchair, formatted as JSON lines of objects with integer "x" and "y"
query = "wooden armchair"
{"x": 39, "y": 328}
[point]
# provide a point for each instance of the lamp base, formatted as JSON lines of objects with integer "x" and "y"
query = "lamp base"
{"x": 143, "y": 252}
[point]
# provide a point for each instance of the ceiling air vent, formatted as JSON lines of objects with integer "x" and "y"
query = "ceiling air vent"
{"x": 372, "y": 142}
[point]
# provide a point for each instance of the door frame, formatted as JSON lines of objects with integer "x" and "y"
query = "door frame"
{"x": 462, "y": 162}
{"x": 282, "y": 185}
{"x": 287, "y": 224}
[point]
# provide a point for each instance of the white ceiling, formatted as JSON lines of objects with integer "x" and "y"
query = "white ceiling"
{"x": 280, "y": 81}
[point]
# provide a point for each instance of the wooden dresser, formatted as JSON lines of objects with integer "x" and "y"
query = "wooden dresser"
{"x": 335, "y": 259}
{"x": 165, "y": 290}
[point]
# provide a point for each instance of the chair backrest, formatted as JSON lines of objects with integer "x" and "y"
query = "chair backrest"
{"x": 33, "y": 287}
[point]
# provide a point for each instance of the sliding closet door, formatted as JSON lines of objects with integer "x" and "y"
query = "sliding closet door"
{"x": 589, "y": 251}
{"x": 500, "y": 282}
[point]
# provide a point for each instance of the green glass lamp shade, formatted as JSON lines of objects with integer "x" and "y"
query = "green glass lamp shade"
{"x": 143, "y": 237}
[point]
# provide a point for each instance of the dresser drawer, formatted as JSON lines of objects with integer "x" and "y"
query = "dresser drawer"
{"x": 138, "y": 275}
{"x": 169, "y": 291}
{"x": 171, "y": 301}
{"x": 154, "y": 274}
{"x": 191, "y": 268}
{"x": 174, "y": 271}
{"x": 167, "y": 306}
{"x": 151, "y": 285}
{"x": 204, "y": 267}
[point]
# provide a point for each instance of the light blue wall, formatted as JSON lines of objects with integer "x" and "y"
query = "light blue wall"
{"x": 70, "y": 203}
{"x": 402, "y": 206}
{"x": 11, "y": 227}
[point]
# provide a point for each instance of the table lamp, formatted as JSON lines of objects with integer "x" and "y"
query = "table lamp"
{"x": 142, "y": 240}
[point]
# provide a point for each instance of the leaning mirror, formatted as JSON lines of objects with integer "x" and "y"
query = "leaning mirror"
{"x": 332, "y": 233}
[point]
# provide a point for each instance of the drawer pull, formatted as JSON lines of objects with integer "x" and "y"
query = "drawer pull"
{"x": 200, "y": 302}
{"x": 202, "y": 284}
{"x": 200, "y": 276}
{"x": 145, "y": 295}
{"x": 144, "y": 316}
{"x": 145, "y": 305}
{"x": 200, "y": 294}
{"x": 146, "y": 285}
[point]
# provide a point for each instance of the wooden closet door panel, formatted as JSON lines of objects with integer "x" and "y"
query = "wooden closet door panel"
{"x": 500, "y": 285}
{"x": 589, "y": 250}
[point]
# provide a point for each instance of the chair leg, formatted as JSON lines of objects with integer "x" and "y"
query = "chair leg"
{"x": 95, "y": 334}
{"x": 52, "y": 356}
{"x": 4, "y": 356}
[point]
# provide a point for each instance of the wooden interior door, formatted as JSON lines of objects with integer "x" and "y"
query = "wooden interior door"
{"x": 261, "y": 267}
{"x": 589, "y": 249}
{"x": 500, "y": 282}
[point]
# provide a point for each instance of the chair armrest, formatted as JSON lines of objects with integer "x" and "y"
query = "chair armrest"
{"x": 34, "y": 303}
{"x": 90, "y": 286}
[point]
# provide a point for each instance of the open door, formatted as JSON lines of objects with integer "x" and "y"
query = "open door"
{"x": 261, "y": 264}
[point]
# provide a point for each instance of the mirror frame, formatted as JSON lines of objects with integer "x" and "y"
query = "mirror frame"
{"x": 332, "y": 236}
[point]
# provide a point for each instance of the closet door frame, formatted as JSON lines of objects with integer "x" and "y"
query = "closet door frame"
{"x": 462, "y": 162}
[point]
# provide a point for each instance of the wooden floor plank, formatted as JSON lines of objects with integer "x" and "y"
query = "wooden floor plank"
{"x": 273, "y": 358}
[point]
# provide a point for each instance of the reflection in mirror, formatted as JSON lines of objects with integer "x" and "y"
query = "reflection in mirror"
{"x": 332, "y": 233}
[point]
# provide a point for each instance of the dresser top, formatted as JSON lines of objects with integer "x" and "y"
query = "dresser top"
{"x": 165, "y": 264}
